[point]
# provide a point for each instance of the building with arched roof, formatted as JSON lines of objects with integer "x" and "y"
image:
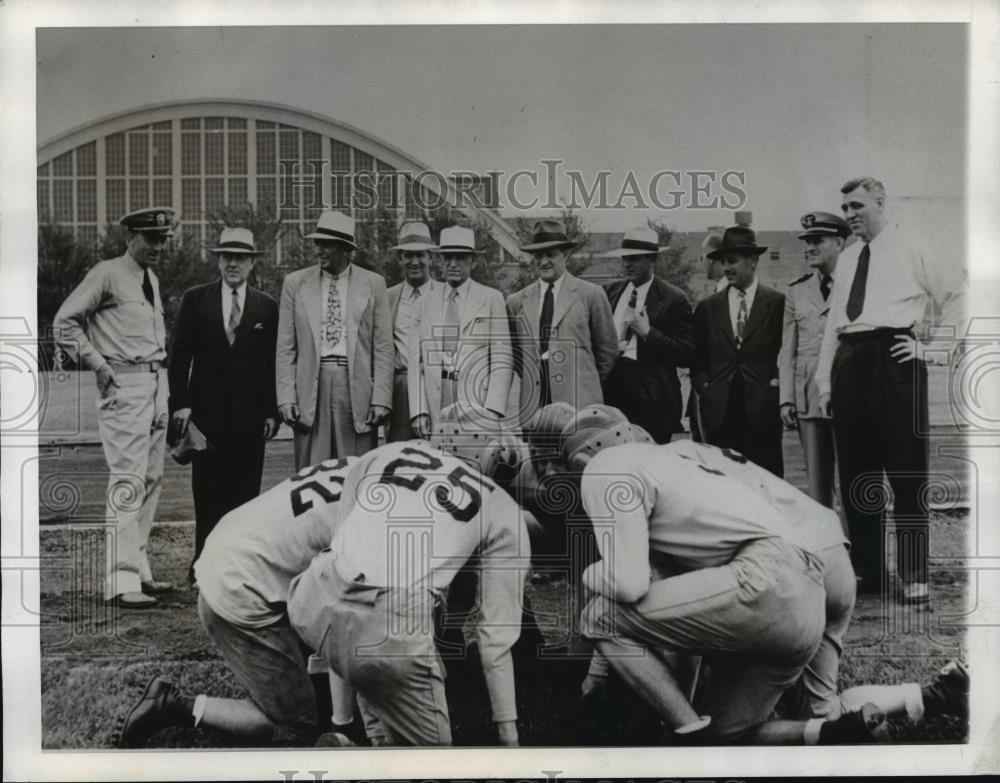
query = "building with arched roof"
{"x": 198, "y": 156}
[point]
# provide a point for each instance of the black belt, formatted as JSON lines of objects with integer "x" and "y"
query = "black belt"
{"x": 447, "y": 375}
{"x": 882, "y": 333}
{"x": 339, "y": 360}
{"x": 138, "y": 366}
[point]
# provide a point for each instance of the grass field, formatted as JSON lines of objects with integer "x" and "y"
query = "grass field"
{"x": 95, "y": 663}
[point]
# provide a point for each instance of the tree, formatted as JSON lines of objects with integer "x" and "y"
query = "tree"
{"x": 62, "y": 264}
{"x": 575, "y": 230}
{"x": 672, "y": 264}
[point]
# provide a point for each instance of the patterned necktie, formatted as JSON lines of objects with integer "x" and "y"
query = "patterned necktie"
{"x": 415, "y": 294}
{"x": 449, "y": 338}
{"x": 234, "y": 317}
{"x": 334, "y": 323}
{"x": 741, "y": 318}
{"x": 856, "y": 299}
{"x": 147, "y": 287}
{"x": 630, "y": 310}
{"x": 545, "y": 322}
{"x": 824, "y": 286}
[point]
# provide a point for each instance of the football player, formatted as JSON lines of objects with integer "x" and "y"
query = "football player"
{"x": 414, "y": 514}
{"x": 243, "y": 576}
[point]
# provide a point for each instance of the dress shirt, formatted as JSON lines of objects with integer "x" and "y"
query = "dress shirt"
{"x": 734, "y": 302}
{"x": 343, "y": 281}
{"x": 900, "y": 281}
{"x": 227, "y": 301}
{"x": 403, "y": 326}
{"x": 108, "y": 319}
{"x": 542, "y": 285}
{"x": 462, "y": 296}
{"x": 632, "y": 347}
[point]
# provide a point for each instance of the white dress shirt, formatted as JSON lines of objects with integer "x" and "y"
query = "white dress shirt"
{"x": 630, "y": 349}
{"x": 343, "y": 286}
{"x": 734, "y": 301}
{"x": 403, "y": 326}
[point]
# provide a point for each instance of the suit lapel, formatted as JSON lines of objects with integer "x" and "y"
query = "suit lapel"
{"x": 471, "y": 306}
{"x": 615, "y": 292}
{"x": 531, "y": 308}
{"x": 248, "y": 318}
{"x": 358, "y": 295}
{"x": 216, "y": 325}
{"x": 567, "y": 293}
{"x": 311, "y": 295}
{"x": 722, "y": 316}
{"x": 761, "y": 305}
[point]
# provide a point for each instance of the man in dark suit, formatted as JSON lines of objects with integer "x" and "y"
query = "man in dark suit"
{"x": 737, "y": 340}
{"x": 221, "y": 377}
{"x": 655, "y": 337}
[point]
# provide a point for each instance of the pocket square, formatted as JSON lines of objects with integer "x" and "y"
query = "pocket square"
{"x": 259, "y": 325}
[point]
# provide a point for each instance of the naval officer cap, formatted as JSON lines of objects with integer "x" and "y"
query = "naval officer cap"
{"x": 824, "y": 224}
{"x": 156, "y": 221}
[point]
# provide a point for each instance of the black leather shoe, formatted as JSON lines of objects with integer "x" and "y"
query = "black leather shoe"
{"x": 132, "y": 601}
{"x": 157, "y": 709}
{"x": 152, "y": 587}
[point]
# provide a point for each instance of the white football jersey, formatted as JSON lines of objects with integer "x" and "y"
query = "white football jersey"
{"x": 251, "y": 556}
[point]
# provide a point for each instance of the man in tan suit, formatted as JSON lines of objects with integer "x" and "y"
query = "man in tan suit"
{"x": 415, "y": 248}
{"x": 461, "y": 344}
{"x": 562, "y": 327}
{"x": 334, "y": 355}
{"x": 806, "y": 306}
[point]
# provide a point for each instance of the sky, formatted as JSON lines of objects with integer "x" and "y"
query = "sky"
{"x": 797, "y": 109}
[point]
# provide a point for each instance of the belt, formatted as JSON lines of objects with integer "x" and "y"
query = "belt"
{"x": 338, "y": 360}
{"x": 449, "y": 375}
{"x": 138, "y": 366}
{"x": 882, "y": 333}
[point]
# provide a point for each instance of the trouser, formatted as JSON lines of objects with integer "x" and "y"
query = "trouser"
{"x": 222, "y": 478}
{"x": 625, "y": 390}
{"x": 816, "y": 437}
{"x": 270, "y": 664}
{"x": 332, "y": 433}
{"x": 132, "y": 423}
{"x": 381, "y": 641}
{"x": 880, "y": 418}
{"x": 399, "y": 424}
{"x": 757, "y": 621}
{"x": 758, "y": 441}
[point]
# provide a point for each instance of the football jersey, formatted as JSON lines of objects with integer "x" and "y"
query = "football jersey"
{"x": 411, "y": 517}
{"x": 688, "y": 509}
{"x": 251, "y": 556}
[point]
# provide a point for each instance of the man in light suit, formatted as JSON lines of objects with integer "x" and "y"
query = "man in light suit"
{"x": 221, "y": 375}
{"x": 415, "y": 248}
{"x": 461, "y": 344}
{"x": 563, "y": 330}
{"x": 806, "y": 307}
{"x": 334, "y": 354}
{"x": 656, "y": 336}
{"x": 737, "y": 340}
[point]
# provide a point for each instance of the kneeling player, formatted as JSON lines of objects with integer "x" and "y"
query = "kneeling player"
{"x": 243, "y": 576}
{"x": 414, "y": 514}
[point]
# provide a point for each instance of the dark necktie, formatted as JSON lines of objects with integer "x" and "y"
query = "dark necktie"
{"x": 632, "y": 300}
{"x": 147, "y": 287}
{"x": 234, "y": 317}
{"x": 545, "y": 322}
{"x": 856, "y": 299}
{"x": 824, "y": 286}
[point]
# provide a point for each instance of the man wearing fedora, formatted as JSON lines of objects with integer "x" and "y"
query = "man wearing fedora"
{"x": 113, "y": 324}
{"x": 737, "y": 340}
{"x": 655, "y": 337}
{"x": 414, "y": 249}
{"x": 568, "y": 315}
{"x": 460, "y": 350}
{"x": 222, "y": 380}
{"x": 334, "y": 362}
{"x": 807, "y": 303}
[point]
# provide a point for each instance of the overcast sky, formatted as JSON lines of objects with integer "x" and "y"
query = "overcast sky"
{"x": 798, "y": 108}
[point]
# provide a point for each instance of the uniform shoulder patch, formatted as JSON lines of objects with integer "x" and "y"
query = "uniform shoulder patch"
{"x": 802, "y": 279}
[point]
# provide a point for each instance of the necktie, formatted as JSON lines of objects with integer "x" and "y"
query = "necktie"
{"x": 545, "y": 322}
{"x": 856, "y": 299}
{"x": 824, "y": 286}
{"x": 415, "y": 294}
{"x": 334, "y": 324}
{"x": 147, "y": 287}
{"x": 630, "y": 310}
{"x": 449, "y": 339}
{"x": 741, "y": 318}
{"x": 234, "y": 317}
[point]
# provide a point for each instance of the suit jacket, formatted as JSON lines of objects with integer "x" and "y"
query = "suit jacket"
{"x": 368, "y": 331}
{"x": 482, "y": 361}
{"x": 583, "y": 345}
{"x": 805, "y": 320}
{"x": 669, "y": 345}
{"x": 229, "y": 388}
{"x": 718, "y": 360}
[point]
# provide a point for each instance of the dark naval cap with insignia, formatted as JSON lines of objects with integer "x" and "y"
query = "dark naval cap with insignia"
{"x": 824, "y": 224}
{"x": 151, "y": 220}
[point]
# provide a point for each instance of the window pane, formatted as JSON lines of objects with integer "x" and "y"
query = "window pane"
{"x": 86, "y": 160}
{"x": 215, "y": 195}
{"x": 138, "y": 194}
{"x": 214, "y": 123}
{"x": 138, "y": 154}
{"x": 237, "y": 153}
{"x": 43, "y": 170}
{"x": 386, "y": 185}
{"x": 114, "y": 155}
{"x": 265, "y": 153}
{"x": 86, "y": 200}
{"x": 264, "y": 124}
{"x": 265, "y": 194}
{"x": 163, "y": 153}
{"x": 63, "y": 165}
{"x": 62, "y": 200}
{"x": 214, "y": 160}
{"x": 191, "y": 199}
{"x": 86, "y": 235}
{"x": 191, "y": 123}
{"x": 165, "y": 125}
{"x": 289, "y": 148}
{"x": 236, "y": 122}
{"x": 237, "y": 192}
{"x": 43, "y": 200}
{"x": 163, "y": 193}
{"x": 115, "y": 199}
{"x": 312, "y": 146}
{"x": 190, "y": 153}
